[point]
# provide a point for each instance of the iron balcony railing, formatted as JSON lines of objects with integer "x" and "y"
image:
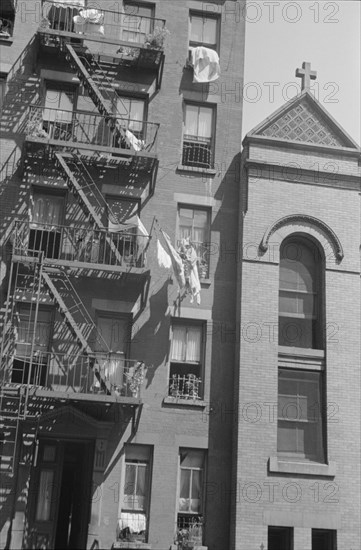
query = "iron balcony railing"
{"x": 90, "y": 23}
{"x": 186, "y": 386}
{"x": 189, "y": 531}
{"x": 75, "y": 373}
{"x": 6, "y": 28}
{"x": 81, "y": 244}
{"x": 91, "y": 129}
{"x": 197, "y": 153}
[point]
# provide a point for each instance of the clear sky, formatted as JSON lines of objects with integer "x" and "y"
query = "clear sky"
{"x": 281, "y": 35}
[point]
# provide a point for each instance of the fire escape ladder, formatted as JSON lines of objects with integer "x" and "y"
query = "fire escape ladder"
{"x": 87, "y": 188}
{"x": 76, "y": 306}
{"x": 100, "y": 99}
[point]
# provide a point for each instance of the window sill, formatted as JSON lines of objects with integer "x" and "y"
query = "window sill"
{"x": 196, "y": 547}
{"x": 184, "y": 168}
{"x": 4, "y": 40}
{"x": 279, "y": 466}
{"x": 184, "y": 402}
{"x": 302, "y": 352}
{"x": 205, "y": 282}
{"x": 138, "y": 545}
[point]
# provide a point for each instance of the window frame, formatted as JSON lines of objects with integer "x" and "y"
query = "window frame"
{"x": 10, "y": 16}
{"x": 176, "y": 366}
{"x": 184, "y": 516}
{"x": 121, "y": 508}
{"x": 200, "y": 15}
{"x": 40, "y": 367}
{"x": 320, "y": 454}
{"x": 130, "y": 3}
{"x": 197, "y": 140}
{"x": 127, "y": 317}
{"x": 3, "y": 89}
{"x": 203, "y": 274}
{"x": 144, "y": 121}
{"x": 332, "y": 536}
{"x": 318, "y": 315}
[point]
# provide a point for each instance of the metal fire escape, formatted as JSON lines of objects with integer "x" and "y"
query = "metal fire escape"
{"x": 33, "y": 275}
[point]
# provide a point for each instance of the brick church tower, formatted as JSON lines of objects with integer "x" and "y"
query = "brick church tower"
{"x": 297, "y": 439}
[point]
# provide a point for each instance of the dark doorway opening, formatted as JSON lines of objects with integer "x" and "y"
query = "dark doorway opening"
{"x": 280, "y": 538}
{"x": 73, "y": 512}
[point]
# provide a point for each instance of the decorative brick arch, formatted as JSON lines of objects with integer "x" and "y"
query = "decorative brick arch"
{"x": 296, "y": 223}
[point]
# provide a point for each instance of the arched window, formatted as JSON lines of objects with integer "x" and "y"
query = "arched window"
{"x": 300, "y": 297}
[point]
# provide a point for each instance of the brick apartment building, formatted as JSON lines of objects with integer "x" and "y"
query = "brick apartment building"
{"x": 133, "y": 416}
{"x": 296, "y": 471}
{"x": 107, "y": 371}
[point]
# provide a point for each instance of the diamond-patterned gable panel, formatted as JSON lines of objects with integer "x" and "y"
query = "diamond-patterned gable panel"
{"x": 302, "y": 123}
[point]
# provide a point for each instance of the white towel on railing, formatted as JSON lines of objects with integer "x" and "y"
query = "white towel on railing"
{"x": 205, "y": 64}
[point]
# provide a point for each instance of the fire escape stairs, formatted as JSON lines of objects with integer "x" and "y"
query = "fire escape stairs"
{"x": 69, "y": 303}
{"x": 85, "y": 66}
{"x": 88, "y": 188}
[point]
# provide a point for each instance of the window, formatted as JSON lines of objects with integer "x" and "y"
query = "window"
{"x": 128, "y": 243}
{"x": 194, "y": 224}
{"x": 190, "y": 502}
{"x": 137, "y": 22}
{"x": 7, "y": 19}
{"x": 133, "y": 523}
{"x": 58, "y": 111}
{"x": 132, "y": 110}
{"x": 300, "y": 426}
{"x": 280, "y": 538}
{"x": 324, "y": 539}
{"x": 198, "y": 142}
{"x": 33, "y": 335}
{"x": 112, "y": 343}
{"x": 45, "y": 226}
{"x": 186, "y": 361}
{"x": 299, "y": 295}
{"x": 203, "y": 31}
{"x": 2, "y": 89}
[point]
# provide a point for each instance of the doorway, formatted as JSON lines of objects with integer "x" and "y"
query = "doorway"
{"x": 62, "y": 481}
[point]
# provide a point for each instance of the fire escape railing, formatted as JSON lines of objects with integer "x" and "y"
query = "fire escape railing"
{"x": 82, "y": 244}
{"x": 91, "y": 129}
{"x": 73, "y": 373}
{"x": 115, "y": 26}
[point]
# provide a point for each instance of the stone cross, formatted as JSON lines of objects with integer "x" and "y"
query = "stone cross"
{"x": 306, "y": 75}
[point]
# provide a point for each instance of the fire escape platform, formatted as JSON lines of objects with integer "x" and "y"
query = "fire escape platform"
{"x": 50, "y": 262}
{"x": 81, "y": 397}
{"x": 118, "y": 154}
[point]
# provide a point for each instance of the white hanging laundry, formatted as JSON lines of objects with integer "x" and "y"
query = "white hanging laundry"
{"x": 137, "y": 144}
{"x": 190, "y": 258}
{"x": 162, "y": 256}
{"x": 89, "y": 21}
{"x": 206, "y": 66}
{"x": 177, "y": 263}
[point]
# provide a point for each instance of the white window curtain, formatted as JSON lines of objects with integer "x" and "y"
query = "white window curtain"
{"x": 198, "y": 121}
{"x": 45, "y": 495}
{"x": 58, "y": 106}
{"x": 203, "y": 30}
{"x": 26, "y": 328}
{"x": 137, "y": 23}
{"x": 133, "y": 111}
{"x": 192, "y": 464}
{"x": 113, "y": 332}
{"x": 135, "y": 486}
{"x": 186, "y": 344}
{"x": 193, "y": 224}
{"x": 47, "y": 210}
